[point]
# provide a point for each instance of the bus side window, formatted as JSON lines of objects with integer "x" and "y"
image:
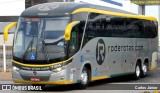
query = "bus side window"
{"x": 150, "y": 29}
{"x": 93, "y": 28}
{"x": 73, "y": 41}
{"x": 76, "y": 38}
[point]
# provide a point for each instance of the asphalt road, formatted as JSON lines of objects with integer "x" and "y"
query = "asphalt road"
{"x": 122, "y": 84}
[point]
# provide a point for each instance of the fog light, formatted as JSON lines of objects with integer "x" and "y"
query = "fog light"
{"x": 58, "y": 69}
{"x": 15, "y": 68}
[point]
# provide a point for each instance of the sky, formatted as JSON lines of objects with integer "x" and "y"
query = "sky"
{"x": 11, "y": 7}
{"x": 153, "y": 11}
{"x": 150, "y": 10}
{"x": 109, "y": 3}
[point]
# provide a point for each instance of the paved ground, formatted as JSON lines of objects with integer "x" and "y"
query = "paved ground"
{"x": 5, "y": 76}
{"x": 102, "y": 86}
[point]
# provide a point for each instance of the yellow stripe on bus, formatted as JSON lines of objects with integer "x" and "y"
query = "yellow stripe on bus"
{"x": 99, "y": 78}
{"x": 42, "y": 65}
{"x": 156, "y": 91}
{"x": 113, "y": 13}
{"x": 42, "y": 82}
{"x": 153, "y": 68}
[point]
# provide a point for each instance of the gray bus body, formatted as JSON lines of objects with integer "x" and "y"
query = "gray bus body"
{"x": 106, "y": 42}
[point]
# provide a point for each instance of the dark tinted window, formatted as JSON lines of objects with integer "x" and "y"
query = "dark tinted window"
{"x": 94, "y": 26}
{"x": 113, "y": 26}
{"x": 150, "y": 29}
{"x": 105, "y": 26}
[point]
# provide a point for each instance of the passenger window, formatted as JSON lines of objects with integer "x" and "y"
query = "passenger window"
{"x": 150, "y": 29}
{"x": 73, "y": 43}
{"x": 76, "y": 38}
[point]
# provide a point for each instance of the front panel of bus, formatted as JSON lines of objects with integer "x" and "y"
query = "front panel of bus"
{"x": 40, "y": 49}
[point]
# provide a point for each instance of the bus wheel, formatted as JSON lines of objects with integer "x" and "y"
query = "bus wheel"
{"x": 84, "y": 81}
{"x": 144, "y": 70}
{"x": 137, "y": 71}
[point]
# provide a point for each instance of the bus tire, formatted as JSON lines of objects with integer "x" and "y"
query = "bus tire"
{"x": 137, "y": 72}
{"x": 85, "y": 78}
{"x": 144, "y": 70}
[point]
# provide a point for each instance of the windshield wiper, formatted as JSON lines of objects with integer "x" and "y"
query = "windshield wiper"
{"x": 29, "y": 45}
{"x": 45, "y": 51}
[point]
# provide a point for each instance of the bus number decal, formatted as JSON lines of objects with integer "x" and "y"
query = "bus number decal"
{"x": 100, "y": 51}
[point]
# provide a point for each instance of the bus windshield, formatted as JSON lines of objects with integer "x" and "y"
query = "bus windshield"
{"x": 40, "y": 39}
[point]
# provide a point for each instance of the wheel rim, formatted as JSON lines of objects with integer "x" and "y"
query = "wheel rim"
{"x": 84, "y": 77}
{"x": 137, "y": 71}
{"x": 144, "y": 68}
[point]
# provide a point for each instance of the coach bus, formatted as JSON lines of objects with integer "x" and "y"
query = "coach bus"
{"x": 66, "y": 43}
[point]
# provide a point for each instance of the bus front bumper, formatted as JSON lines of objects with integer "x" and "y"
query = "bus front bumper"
{"x": 40, "y": 77}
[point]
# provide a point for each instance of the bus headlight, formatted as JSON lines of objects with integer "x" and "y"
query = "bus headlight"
{"x": 58, "y": 69}
{"x": 15, "y": 68}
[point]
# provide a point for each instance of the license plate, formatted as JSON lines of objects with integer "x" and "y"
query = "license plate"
{"x": 35, "y": 79}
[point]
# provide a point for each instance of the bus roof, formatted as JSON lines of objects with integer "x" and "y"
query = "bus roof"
{"x": 65, "y": 9}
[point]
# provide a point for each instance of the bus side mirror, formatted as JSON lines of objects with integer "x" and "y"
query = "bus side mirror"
{"x": 7, "y": 28}
{"x": 69, "y": 29}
